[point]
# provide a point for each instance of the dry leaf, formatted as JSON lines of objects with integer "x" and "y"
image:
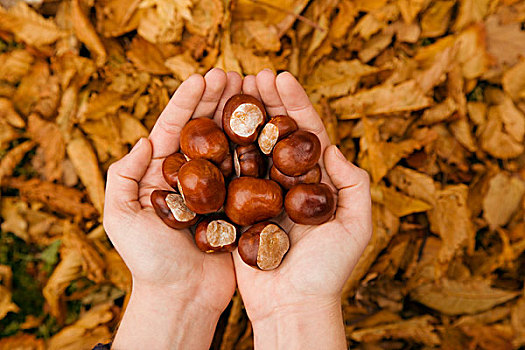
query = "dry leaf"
{"x": 518, "y": 322}
{"x": 418, "y": 329}
{"x": 50, "y": 139}
{"x": 505, "y": 42}
{"x": 436, "y": 18}
{"x": 502, "y": 199}
{"x": 439, "y": 112}
{"x": 460, "y": 297}
{"x": 28, "y": 26}
{"x": 22, "y": 341}
{"x": 398, "y": 203}
{"x": 85, "y": 163}
{"x": 86, "y": 33}
{"x": 494, "y": 138}
{"x": 450, "y": 219}
{"x": 6, "y": 304}
{"x": 413, "y": 183}
{"x": 147, "y": 56}
{"x": 9, "y": 161}
{"x": 9, "y": 115}
{"x": 514, "y": 81}
{"x": 182, "y": 66}
{"x": 206, "y": 16}
{"x": 86, "y": 332}
{"x": 59, "y": 198}
{"x": 384, "y": 99}
{"x": 161, "y": 23}
{"x": 14, "y": 65}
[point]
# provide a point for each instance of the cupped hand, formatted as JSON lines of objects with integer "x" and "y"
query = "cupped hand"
{"x": 160, "y": 258}
{"x": 321, "y": 258}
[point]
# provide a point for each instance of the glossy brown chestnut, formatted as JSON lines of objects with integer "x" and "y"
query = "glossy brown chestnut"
{"x": 275, "y": 130}
{"x": 201, "y": 184}
{"x": 243, "y": 117}
{"x": 310, "y": 204}
{"x": 312, "y": 176}
{"x": 264, "y": 245}
{"x": 251, "y": 200}
{"x": 215, "y": 234}
{"x": 201, "y": 138}
{"x": 226, "y": 166}
{"x": 171, "y": 166}
{"x": 249, "y": 161}
{"x": 170, "y": 207}
{"x": 297, "y": 153}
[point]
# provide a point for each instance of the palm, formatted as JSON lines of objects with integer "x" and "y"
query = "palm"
{"x": 321, "y": 257}
{"x": 155, "y": 253}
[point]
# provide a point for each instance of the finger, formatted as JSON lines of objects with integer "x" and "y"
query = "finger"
{"x": 249, "y": 87}
{"x": 165, "y": 134}
{"x": 215, "y": 81}
{"x": 299, "y": 107}
{"x": 122, "y": 189}
{"x": 354, "y": 206}
{"x": 233, "y": 87}
{"x": 265, "y": 80}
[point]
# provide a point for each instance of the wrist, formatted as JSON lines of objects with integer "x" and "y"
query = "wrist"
{"x": 313, "y": 323}
{"x": 164, "y": 318}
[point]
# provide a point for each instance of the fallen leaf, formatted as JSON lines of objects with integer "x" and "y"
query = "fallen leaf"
{"x": 450, "y": 219}
{"x": 147, "y": 56}
{"x": 384, "y": 99}
{"x": 182, "y": 66}
{"x": 22, "y": 341}
{"x": 14, "y": 65}
{"x": 28, "y": 26}
{"x": 85, "y": 163}
{"x": 513, "y": 81}
{"x": 436, "y": 18}
{"x": 495, "y": 140}
{"x": 59, "y": 198}
{"x": 517, "y": 321}
{"x": 460, "y": 297}
{"x": 398, "y": 203}
{"x": 6, "y": 304}
{"x": 9, "y": 161}
{"x": 417, "y": 329}
{"x": 86, "y": 33}
{"x": 502, "y": 199}
{"x": 505, "y": 42}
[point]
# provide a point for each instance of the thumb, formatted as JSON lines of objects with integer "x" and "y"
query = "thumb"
{"x": 122, "y": 189}
{"x": 354, "y": 207}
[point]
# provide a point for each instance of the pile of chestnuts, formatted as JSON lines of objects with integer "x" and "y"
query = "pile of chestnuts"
{"x": 221, "y": 182}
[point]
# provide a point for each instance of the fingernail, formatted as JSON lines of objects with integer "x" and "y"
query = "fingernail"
{"x": 339, "y": 154}
{"x": 268, "y": 70}
{"x": 137, "y": 145}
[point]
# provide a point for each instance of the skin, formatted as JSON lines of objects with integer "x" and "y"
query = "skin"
{"x": 172, "y": 305}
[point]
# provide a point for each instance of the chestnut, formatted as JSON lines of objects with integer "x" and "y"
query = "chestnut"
{"x": 215, "y": 234}
{"x": 249, "y": 161}
{"x": 243, "y": 117}
{"x": 170, "y": 207}
{"x": 251, "y": 200}
{"x": 264, "y": 245}
{"x": 226, "y": 166}
{"x": 310, "y": 204}
{"x": 202, "y": 138}
{"x": 312, "y": 176}
{"x": 171, "y": 166}
{"x": 297, "y": 153}
{"x": 275, "y": 130}
{"x": 201, "y": 184}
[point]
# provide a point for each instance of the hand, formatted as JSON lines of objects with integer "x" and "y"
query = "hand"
{"x": 298, "y": 304}
{"x": 178, "y": 292}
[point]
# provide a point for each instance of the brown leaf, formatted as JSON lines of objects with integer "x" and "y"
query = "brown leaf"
{"x": 59, "y": 198}
{"x": 14, "y": 65}
{"x": 147, "y": 56}
{"x": 22, "y": 341}
{"x": 471, "y": 11}
{"x": 436, "y": 18}
{"x": 384, "y": 99}
{"x": 182, "y": 66}
{"x": 9, "y": 161}
{"x": 117, "y": 17}
{"x": 514, "y": 81}
{"x": 495, "y": 140}
{"x": 6, "y": 304}
{"x": 9, "y": 115}
{"x": 50, "y": 139}
{"x": 398, "y": 203}
{"x": 518, "y": 322}
{"x": 334, "y": 79}
{"x": 450, "y": 219}
{"x": 162, "y": 24}
{"x": 460, "y": 297}
{"x": 439, "y": 112}
{"x": 502, "y": 199}
{"x": 206, "y": 16}
{"x": 28, "y": 26}
{"x": 86, "y": 332}
{"x": 85, "y": 162}
{"x": 413, "y": 183}
{"x": 505, "y": 42}
{"x": 38, "y": 92}
{"x": 418, "y": 329}
{"x": 86, "y": 33}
